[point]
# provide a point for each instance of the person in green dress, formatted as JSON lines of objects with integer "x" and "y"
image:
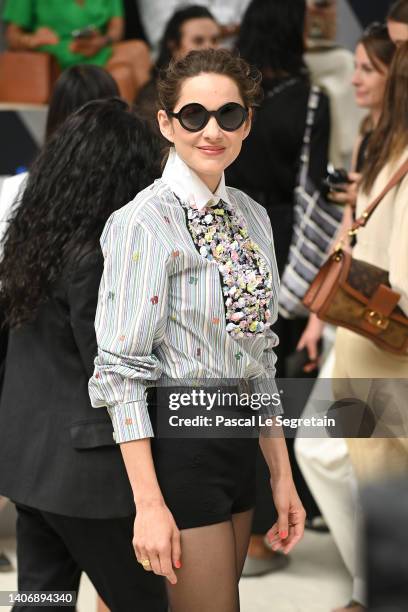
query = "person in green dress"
{"x": 74, "y": 32}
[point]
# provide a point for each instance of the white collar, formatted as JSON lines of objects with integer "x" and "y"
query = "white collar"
{"x": 185, "y": 183}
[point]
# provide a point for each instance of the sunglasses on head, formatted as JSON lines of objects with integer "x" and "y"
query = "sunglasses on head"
{"x": 194, "y": 117}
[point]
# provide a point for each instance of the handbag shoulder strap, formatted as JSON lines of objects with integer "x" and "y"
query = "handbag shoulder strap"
{"x": 312, "y": 104}
{"x": 394, "y": 180}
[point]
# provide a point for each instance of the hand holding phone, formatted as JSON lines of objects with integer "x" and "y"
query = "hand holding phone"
{"x": 84, "y": 33}
{"x": 88, "y": 41}
{"x": 336, "y": 179}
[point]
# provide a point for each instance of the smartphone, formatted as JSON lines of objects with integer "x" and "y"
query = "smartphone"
{"x": 87, "y": 32}
{"x": 336, "y": 179}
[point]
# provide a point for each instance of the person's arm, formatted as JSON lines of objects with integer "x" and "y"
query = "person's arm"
{"x": 289, "y": 527}
{"x": 156, "y": 536}
{"x": 131, "y": 313}
{"x": 115, "y": 30}
{"x": 88, "y": 47}
{"x": 348, "y": 197}
{"x": 130, "y": 316}
{"x": 155, "y": 529}
{"x": 19, "y": 15}
{"x": 20, "y": 40}
{"x": 315, "y": 326}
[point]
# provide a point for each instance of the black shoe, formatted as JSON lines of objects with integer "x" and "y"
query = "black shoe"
{"x": 5, "y": 563}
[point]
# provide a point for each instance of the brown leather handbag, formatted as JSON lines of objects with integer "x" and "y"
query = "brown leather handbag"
{"x": 357, "y": 295}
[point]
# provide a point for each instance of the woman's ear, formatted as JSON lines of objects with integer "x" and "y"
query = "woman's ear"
{"x": 165, "y": 125}
{"x": 248, "y": 123}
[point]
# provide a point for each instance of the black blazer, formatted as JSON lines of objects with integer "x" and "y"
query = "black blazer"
{"x": 57, "y": 453}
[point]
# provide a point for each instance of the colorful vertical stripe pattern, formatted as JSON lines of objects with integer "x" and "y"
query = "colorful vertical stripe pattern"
{"x": 161, "y": 316}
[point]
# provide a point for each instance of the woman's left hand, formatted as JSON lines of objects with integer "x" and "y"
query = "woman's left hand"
{"x": 88, "y": 47}
{"x": 289, "y": 528}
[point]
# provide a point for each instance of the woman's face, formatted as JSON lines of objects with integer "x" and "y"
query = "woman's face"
{"x": 368, "y": 82}
{"x": 200, "y": 33}
{"x": 212, "y": 149}
{"x": 398, "y": 32}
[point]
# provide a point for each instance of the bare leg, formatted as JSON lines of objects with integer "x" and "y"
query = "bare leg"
{"x": 208, "y": 559}
{"x": 123, "y": 76}
{"x": 241, "y": 524}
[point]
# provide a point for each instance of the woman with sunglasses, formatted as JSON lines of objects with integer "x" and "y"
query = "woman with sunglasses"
{"x": 189, "y": 293}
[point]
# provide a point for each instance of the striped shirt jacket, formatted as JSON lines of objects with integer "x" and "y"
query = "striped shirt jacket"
{"x": 160, "y": 318}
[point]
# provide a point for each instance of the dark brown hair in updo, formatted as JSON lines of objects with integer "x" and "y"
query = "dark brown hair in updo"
{"x": 216, "y": 61}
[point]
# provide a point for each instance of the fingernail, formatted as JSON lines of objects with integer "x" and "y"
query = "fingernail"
{"x": 177, "y": 564}
{"x": 283, "y": 534}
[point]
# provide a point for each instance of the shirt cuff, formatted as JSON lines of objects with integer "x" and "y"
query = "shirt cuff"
{"x": 267, "y": 385}
{"x": 130, "y": 421}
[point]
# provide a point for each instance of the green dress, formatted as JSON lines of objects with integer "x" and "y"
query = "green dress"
{"x": 64, "y": 16}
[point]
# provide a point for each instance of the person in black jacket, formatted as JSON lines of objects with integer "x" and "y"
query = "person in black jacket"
{"x": 58, "y": 459}
{"x": 272, "y": 38}
{"x": 74, "y": 87}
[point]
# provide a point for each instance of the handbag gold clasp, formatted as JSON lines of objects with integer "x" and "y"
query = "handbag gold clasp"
{"x": 338, "y": 251}
{"x": 376, "y": 319}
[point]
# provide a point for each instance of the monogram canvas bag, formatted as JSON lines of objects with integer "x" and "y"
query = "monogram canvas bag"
{"x": 357, "y": 295}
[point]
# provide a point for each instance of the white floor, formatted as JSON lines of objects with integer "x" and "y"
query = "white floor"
{"x": 315, "y": 581}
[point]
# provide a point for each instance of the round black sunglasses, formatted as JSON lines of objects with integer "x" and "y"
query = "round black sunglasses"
{"x": 194, "y": 117}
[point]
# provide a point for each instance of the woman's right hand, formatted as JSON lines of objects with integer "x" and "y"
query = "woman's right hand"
{"x": 349, "y": 194}
{"x": 157, "y": 539}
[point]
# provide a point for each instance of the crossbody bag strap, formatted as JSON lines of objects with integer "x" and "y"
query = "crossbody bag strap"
{"x": 312, "y": 104}
{"x": 394, "y": 180}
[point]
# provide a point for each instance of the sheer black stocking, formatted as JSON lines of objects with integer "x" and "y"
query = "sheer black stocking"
{"x": 212, "y": 560}
{"x": 242, "y": 525}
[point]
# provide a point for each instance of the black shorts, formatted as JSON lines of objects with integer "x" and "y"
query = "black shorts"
{"x": 204, "y": 480}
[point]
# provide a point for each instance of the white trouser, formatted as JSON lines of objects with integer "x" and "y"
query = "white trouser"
{"x": 327, "y": 469}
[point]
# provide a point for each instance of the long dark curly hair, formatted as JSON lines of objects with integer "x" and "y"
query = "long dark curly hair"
{"x": 96, "y": 162}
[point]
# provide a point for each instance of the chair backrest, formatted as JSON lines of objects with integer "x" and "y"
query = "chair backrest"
{"x": 26, "y": 77}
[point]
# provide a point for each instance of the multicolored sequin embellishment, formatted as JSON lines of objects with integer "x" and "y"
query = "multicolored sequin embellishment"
{"x": 220, "y": 235}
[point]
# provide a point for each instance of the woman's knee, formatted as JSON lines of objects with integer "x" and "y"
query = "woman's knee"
{"x": 123, "y": 75}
